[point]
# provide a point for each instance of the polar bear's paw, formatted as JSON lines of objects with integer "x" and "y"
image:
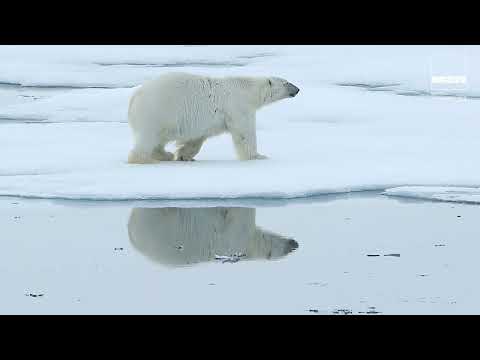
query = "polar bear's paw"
{"x": 135, "y": 157}
{"x": 183, "y": 157}
{"x": 186, "y": 151}
{"x": 260, "y": 157}
{"x": 159, "y": 155}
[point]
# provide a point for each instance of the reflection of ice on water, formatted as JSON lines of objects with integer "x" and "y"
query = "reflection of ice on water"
{"x": 182, "y": 236}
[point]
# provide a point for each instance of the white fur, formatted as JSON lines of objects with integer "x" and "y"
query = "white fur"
{"x": 188, "y": 109}
{"x": 181, "y": 236}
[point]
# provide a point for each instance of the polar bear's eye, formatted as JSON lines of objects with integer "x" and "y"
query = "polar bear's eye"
{"x": 269, "y": 82}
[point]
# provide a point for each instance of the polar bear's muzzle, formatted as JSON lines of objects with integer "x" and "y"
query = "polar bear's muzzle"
{"x": 292, "y": 90}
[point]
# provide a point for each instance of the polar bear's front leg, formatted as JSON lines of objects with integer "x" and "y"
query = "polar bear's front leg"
{"x": 245, "y": 141}
{"x": 246, "y": 147}
{"x": 188, "y": 150}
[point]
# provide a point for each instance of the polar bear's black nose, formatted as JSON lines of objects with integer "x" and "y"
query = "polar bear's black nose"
{"x": 292, "y": 245}
{"x": 292, "y": 90}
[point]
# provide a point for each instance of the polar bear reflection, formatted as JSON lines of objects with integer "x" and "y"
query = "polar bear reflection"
{"x": 181, "y": 236}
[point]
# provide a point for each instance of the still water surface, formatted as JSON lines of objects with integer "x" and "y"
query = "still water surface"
{"x": 360, "y": 253}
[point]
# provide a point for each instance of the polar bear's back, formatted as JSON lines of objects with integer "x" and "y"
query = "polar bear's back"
{"x": 174, "y": 80}
{"x": 167, "y": 90}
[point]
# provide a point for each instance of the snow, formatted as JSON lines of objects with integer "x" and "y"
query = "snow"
{"x": 331, "y": 138}
{"x": 112, "y": 66}
{"x": 97, "y": 105}
{"x": 449, "y": 194}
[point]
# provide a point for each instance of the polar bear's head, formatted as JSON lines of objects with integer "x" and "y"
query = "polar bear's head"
{"x": 275, "y": 89}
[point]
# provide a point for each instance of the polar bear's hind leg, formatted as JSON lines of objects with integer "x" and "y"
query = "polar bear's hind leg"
{"x": 137, "y": 156}
{"x": 187, "y": 151}
{"x": 160, "y": 154}
{"x": 147, "y": 150}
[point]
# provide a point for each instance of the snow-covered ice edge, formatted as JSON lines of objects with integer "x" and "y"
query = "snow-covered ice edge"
{"x": 245, "y": 197}
{"x": 466, "y": 195}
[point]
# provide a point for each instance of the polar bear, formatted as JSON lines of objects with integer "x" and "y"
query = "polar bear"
{"x": 188, "y": 109}
{"x": 187, "y": 236}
